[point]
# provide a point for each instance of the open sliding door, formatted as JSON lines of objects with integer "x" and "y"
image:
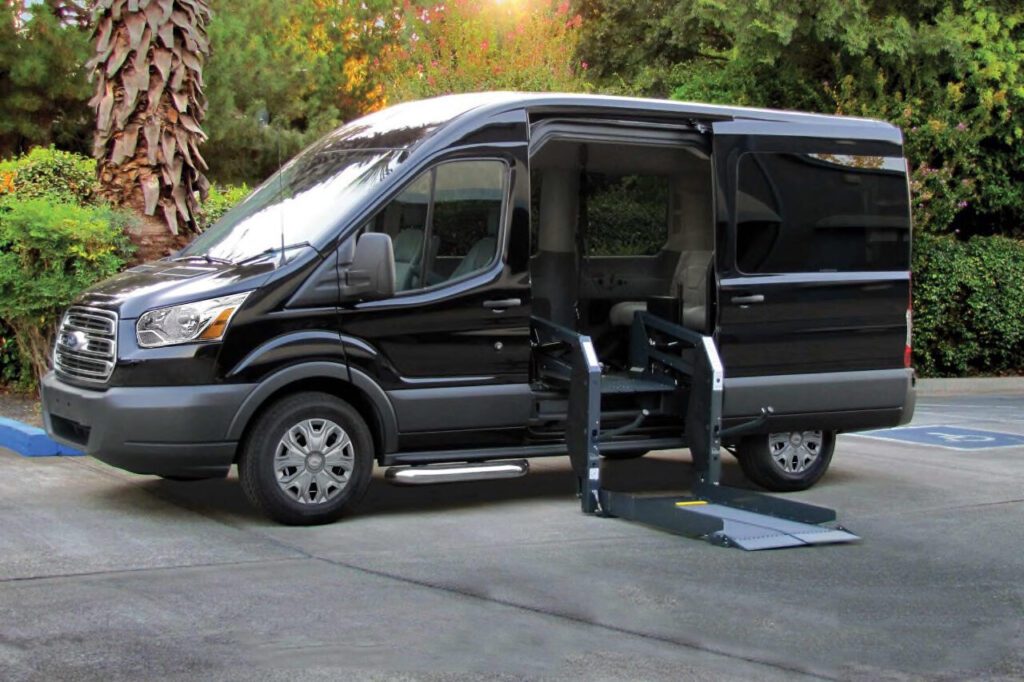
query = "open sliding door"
{"x": 813, "y": 247}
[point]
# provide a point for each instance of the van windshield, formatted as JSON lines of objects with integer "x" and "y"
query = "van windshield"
{"x": 299, "y": 204}
{"x": 306, "y": 199}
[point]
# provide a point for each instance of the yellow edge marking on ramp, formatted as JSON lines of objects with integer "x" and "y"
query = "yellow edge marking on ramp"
{"x": 690, "y": 503}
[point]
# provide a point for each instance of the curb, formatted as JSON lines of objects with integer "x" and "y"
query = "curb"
{"x": 31, "y": 441}
{"x": 970, "y": 386}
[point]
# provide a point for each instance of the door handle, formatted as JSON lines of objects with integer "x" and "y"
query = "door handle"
{"x": 503, "y": 303}
{"x": 752, "y": 298}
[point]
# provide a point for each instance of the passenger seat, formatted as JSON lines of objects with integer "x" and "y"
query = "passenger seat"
{"x": 623, "y": 312}
{"x": 689, "y": 284}
{"x": 480, "y": 254}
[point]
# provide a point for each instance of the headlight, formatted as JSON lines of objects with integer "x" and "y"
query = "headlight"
{"x": 199, "y": 321}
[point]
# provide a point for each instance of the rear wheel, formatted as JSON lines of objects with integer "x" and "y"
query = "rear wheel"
{"x": 307, "y": 460}
{"x": 786, "y": 461}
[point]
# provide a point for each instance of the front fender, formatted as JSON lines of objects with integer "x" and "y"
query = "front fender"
{"x": 282, "y": 378}
{"x": 289, "y": 348}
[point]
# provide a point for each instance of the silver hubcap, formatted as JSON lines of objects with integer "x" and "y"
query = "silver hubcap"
{"x": 796, "y": 451}
{"x": 314, "y": 461}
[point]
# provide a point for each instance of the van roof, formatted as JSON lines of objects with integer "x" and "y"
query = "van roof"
{"x": 407, "y": 124}
{"x": 450, "y": 107}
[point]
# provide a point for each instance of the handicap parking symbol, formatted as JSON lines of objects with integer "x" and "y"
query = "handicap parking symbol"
{"x": 951, "y": 437}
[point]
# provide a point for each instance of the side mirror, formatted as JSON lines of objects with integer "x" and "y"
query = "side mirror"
{"x": 371, "y": 275}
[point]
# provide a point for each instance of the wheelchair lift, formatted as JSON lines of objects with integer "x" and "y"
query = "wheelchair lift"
{"x": 668, "y": 357}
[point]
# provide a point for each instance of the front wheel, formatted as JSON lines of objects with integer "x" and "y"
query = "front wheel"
{"x": 307, "y": 460}
{"x": 786, "y": 461}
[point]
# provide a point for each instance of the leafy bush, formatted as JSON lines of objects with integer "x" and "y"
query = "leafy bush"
{"x": 49, "y": 252}
{"x": 968, "y": 305}
{"x": 219, "y": 201}
{"x": 46, "y": 172}
{"x": 10, "y": 358}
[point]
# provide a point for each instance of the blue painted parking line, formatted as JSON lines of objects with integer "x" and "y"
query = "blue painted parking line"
{"x": 30, "y": 441}
{"x": 950, "y": 437}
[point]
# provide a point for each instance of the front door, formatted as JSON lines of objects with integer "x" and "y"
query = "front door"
{"x": 452, "y": 347}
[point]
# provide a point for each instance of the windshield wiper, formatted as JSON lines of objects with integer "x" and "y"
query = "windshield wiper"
{"x": 272, "y": 250}
{"x": 206, "y": 257}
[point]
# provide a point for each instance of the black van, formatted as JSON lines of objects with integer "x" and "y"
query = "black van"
{"x": 378, "y": 299}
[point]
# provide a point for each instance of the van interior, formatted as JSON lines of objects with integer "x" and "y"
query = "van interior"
{"x": 619, "y": 228}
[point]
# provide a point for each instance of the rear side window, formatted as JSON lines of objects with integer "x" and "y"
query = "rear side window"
{"x": 822, "y": 213}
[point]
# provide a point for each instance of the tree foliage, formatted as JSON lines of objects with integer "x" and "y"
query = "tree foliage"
{"x": 949, "y": 72}
{"x": 43, "y": 88}
{"x": 303, "y": 67}
{"x": 467, "y": 46}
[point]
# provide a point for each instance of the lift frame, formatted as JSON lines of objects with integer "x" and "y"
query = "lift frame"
{"x": 661, "y": 351}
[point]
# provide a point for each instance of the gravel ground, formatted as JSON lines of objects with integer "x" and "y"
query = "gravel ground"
{"x": 21, "y": 406}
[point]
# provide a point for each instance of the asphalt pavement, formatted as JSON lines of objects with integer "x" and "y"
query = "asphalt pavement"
{"x": 107, "y": 575}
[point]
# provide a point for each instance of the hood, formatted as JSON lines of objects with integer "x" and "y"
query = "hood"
{"x": 166, "y": 282}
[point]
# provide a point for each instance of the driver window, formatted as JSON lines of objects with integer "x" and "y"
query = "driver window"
{"x": 445, "y": 225}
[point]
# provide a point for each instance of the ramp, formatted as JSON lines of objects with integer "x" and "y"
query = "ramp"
{"x": 721, "y": 524}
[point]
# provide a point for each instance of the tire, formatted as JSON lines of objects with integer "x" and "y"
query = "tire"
{"x": 786, "y": 462}
{"x": 296, "y": 466}
{"x": 627, "y": 454}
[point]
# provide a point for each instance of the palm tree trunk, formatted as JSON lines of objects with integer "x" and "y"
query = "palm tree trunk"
{"x": 149, "y": 105}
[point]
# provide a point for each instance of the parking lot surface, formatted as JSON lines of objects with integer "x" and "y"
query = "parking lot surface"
{"x": 106, "y": 575}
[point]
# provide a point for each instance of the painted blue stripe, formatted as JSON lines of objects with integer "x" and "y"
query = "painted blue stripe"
{"x": 31, "y": 441}
{"x": 950, "y": 437}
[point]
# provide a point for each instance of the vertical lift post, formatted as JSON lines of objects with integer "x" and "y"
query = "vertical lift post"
{"x": 662, "y": 351}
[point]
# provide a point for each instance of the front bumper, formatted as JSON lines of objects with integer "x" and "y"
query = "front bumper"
{"x": 162, "y": 430}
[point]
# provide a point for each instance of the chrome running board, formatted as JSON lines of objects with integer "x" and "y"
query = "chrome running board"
{"x": 430, "y": 474}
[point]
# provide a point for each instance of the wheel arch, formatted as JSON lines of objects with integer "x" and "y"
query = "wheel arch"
{"x": 349, "y": 384}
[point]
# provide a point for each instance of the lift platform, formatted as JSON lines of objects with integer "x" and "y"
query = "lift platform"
{"x": 668, "y": 357}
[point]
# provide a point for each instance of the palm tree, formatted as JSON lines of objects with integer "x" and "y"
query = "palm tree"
{"x": 149, "y": 105}
{"x": 70, "y": 11}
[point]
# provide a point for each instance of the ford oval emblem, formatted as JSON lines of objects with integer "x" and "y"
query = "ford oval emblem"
{"x": 74, "y": 340}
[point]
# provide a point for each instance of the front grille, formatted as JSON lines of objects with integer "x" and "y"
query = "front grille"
{"x": 86, "y": 347}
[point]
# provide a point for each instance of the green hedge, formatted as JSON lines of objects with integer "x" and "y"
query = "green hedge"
{"x": 47, "y": 172}
{"x": 56, "y": 239}
{"x": 968, "y": 305}
{"x": 49, "y": 252}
